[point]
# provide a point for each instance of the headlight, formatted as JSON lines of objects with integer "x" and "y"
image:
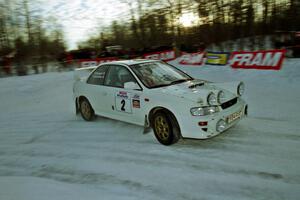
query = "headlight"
{"x": 241, "y": 89}
{"x": 201, "y": 111}
{"x": 221, "y": 97}
{"x": 211, "y": 99}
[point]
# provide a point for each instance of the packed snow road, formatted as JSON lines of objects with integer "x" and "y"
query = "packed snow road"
{"x": 46, "y": 152}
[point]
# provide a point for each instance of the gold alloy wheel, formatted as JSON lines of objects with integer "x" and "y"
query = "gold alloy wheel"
{"x": 162, "y": 127}
{"x": 85, "y": 109}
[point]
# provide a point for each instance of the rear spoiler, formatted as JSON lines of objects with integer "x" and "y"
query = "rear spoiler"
{"x": 83, "y": 72}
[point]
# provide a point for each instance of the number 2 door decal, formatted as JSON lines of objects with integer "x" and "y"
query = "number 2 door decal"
{"x": 123, "y": 102}
{"x": 123, "y": 105}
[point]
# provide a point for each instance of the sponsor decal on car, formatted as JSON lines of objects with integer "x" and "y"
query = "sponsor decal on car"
{"x": 136, "y": 96}
{"x": 122, "y": 94}
{"x": 136, "y": 103}
{"x": 270, "y": 59}
{"x": 123, "y": 102}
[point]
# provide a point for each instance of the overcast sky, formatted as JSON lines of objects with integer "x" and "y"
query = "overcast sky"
{"x": 81, "y": 18}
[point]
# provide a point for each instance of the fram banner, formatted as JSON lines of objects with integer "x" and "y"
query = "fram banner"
{"x": 191, "y": 58}
{"x": 269, "y": 59}
{"x": 95, "y": 62}
{"x": 217, "y": 58}
{"x": 161, "y": 55}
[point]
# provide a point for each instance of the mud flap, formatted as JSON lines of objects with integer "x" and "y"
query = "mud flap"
{"x": 147, "y": 130}
{"x": 76, "y": 107}
{"x": 147, "y": 127}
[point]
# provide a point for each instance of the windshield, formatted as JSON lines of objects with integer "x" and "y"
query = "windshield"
{"x": 159, "y": 74}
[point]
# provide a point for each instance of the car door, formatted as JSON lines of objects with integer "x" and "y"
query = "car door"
{"x": 96, "y": 91}
{"x": 125, "y": 104}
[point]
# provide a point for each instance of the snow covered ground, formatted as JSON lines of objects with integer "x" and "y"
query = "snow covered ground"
{"x": 48, "y": 153}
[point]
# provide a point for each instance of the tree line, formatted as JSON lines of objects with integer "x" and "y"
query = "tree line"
{"x": 157, "y": 23}
{"x": 150, "y": 23}
{"x": 25, "y": 33}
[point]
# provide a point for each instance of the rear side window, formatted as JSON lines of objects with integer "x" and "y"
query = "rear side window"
{"x": 97, "y": 77}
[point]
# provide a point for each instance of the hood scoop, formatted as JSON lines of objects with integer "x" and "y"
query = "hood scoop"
{"x": 196, "y": 85}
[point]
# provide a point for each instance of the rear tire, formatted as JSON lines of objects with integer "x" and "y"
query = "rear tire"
{"x": 86, "y": 110}
{"x": 165, "y": 127}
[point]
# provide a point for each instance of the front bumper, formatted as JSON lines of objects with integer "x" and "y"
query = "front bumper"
{"x": 190, "y": 127}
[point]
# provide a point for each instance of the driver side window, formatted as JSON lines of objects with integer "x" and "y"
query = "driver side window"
{"x": 117, "y": 76}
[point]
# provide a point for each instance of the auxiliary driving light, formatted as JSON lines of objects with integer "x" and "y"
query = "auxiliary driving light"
{"x": 221, "y": 125}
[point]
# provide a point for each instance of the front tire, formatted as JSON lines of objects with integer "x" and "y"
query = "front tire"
{"x": 165, "y": 127}
{"x": 86, "y": 110}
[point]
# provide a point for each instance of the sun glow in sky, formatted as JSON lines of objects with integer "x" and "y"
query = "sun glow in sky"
{"x": 188, "y": 19}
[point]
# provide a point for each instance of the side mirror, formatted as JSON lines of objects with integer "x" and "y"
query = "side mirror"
{"x": 131, "y": 86}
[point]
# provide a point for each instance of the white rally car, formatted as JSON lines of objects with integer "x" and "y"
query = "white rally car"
{"x": 157, "y": 95}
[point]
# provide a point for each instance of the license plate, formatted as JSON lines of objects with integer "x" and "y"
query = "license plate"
{"x": 234, "y": 116}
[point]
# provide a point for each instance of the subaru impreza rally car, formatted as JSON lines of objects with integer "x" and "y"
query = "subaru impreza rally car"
{"x": 157, "y": 95}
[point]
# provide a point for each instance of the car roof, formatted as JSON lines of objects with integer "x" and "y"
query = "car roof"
{"x": 131, "y": 62}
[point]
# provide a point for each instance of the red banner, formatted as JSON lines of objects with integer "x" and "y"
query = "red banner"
{"x": 269, "y": 59}
{"x": 161, "y": 55}
{"x": 191, "y": 58}
{"x": 95, "y": 62}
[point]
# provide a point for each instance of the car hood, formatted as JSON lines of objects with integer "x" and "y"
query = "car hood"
{"x": 196, "y": 91}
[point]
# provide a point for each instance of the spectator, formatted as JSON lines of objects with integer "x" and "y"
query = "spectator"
{"x": 69, "y": 60}
{"x": 7, "y": 65}
{"x": 1, "y": 66}
{"x": 20, "y": 67}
